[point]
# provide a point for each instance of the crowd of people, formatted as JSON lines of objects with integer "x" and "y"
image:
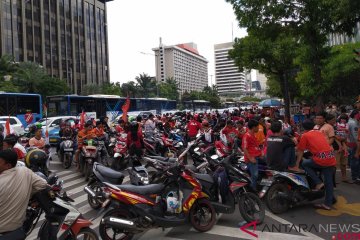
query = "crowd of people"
{"x": 324, "y": 141}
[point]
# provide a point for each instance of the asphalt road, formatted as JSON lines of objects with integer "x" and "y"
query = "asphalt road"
{"x": 341, "y": 223}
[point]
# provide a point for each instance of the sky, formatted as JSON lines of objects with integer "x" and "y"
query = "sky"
{"x": 135, "y": 26}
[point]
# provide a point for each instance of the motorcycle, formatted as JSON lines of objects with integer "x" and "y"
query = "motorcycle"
{"x": 66, "y": 152}
{"x": 224, "y": 196}
{"x": 99, "y": 175}
{"x": 160, "y": 146}
{"x": 62, "y": 220}
{"x": 88, "y": 155}
{"x": 120, "y": 158}
{"x": 283, "y": 190}
{"x": 138, "y": 208}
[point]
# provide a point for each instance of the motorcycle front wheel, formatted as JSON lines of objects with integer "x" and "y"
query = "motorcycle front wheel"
{"x": 87, "y": 233}
{"x": 251, "y": 207}
{"x": 67, "y": 161}
{"x": 110, "y": 233}
{"x": 202, "y": 215}
{"x": 87, "y": 170}
{"x": 95, "y": 202}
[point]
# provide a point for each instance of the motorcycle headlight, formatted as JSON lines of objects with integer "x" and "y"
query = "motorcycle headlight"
{"x": 144, "y": 180}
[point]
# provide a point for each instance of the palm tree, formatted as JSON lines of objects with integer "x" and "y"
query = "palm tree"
{"x": 146, "y": 84}
{"x": 130, "y": 89}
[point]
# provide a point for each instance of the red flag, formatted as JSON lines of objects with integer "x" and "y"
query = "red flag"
{"x": 82, "y": 120}
{"x": 7, "y": 127}
{"x": 125, "y": 109}
{"x": 45, "y": 109}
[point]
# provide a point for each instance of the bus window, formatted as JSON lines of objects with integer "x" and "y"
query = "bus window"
{"x": 25, "y": 103}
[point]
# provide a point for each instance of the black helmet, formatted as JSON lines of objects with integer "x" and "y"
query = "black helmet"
{"x": 36, "y": 158}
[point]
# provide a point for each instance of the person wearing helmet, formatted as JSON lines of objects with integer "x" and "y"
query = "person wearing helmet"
{"x": 10, "y": 142}
{"x": 17, "y": 185}
{"x": 31, "y": 133}
{"x": 37, "y": 141}
{"x": 134, "y": 140}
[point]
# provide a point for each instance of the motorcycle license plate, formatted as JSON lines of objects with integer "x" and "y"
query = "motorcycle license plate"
{"x": 100, "y": 142}
{"x": 266, "y": 182}
{"x": 68, "y": 150}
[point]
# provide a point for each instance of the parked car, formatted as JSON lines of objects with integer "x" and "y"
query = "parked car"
{"x": 52, "y": 122}
{"x": 15, "y": 124}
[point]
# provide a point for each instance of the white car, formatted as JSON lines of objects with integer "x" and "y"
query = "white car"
{"x": 52, "y": 122}
{"x": 15, "y": 124}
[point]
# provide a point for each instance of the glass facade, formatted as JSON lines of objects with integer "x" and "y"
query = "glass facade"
{"x": 67, "y": 37}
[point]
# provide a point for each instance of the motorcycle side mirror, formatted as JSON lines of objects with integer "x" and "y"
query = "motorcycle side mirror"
{"x": 214, "y": 157}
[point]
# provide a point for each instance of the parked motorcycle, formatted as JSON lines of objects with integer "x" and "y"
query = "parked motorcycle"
{"x": 120, "y": 157}
{"x": 283, "y": 190}
{"x": 228, "y": 186}
{"x": 172, "y": 203}
{"x": 101, "y": 174}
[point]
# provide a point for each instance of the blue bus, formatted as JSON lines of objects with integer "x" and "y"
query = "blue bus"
{"x": 17, "y": 104}
{"x": 72, "y": 105}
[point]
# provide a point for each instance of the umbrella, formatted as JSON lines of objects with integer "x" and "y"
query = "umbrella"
{"x": 270, "y": 103}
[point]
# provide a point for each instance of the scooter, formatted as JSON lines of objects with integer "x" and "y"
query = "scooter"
{"x": 101, "y": 174}
{"x": 172, "y": 203}
{"x": 283, "y": 190}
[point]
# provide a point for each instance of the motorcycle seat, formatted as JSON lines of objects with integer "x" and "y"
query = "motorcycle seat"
{"x": 108, "y": 172}
{"x": 204, "y": 177}
{"x": 147, "y": 189}
{"x": 163, "y": 159}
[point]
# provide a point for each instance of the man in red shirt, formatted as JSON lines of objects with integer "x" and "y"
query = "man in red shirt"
{"x": 252, "y": 151}
{"x": 230, "y": 132}
{"x": 323, "y": 158}
{"x": 193, "y": 127}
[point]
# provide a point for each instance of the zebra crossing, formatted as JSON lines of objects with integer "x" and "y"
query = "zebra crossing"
{"x": 226, "y": 227}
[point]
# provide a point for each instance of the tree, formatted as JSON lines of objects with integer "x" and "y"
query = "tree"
{"x": 310, "y": 22}
{"x": 169, "y": 89}
{"x": 130, "y": 89}
{"x": 49, "y": 86}
{"x": 111, "y": 89}
{"x": 147, "y": 85}
{"x": 272, "y": 51}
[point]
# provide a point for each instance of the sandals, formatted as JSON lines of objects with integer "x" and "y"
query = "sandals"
{"x": 322, "y": 206}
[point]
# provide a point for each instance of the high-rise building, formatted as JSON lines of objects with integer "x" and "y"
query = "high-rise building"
{"x": 339, "y": 39}
{"x": 67, "y": 37}
{"x": 229, "y": 80}
{"x": 183, "y": 63}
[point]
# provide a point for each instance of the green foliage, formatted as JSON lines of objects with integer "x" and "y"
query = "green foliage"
{"x": 250, "y": 99}
{"x": 29, "y": 77}
{"x": 130, "y": 89}
{"x": 111, "y": 89}
{"x": 208, "y": 94}
{"x": 307, "y": 23}
{"x": 146, "y": 85}
{"x": 169, "y": 89}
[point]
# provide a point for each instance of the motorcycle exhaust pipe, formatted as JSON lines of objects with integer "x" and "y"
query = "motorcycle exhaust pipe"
{"x": 89, "y": 191}
{"x": 119, "y": 223}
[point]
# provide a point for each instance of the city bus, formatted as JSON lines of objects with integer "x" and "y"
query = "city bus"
{"x": 197, "y": 105}
{"x": 103, "y": 105}
{"x": 18, "y": 104}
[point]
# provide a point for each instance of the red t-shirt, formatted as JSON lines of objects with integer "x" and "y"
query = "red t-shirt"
{"x": 250, "y": 143}
{"x": 317, "y": 144}
{"x": 230, "y": 132}
{"x": 193, "y": 128}
{"x": 138, "y": 142}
